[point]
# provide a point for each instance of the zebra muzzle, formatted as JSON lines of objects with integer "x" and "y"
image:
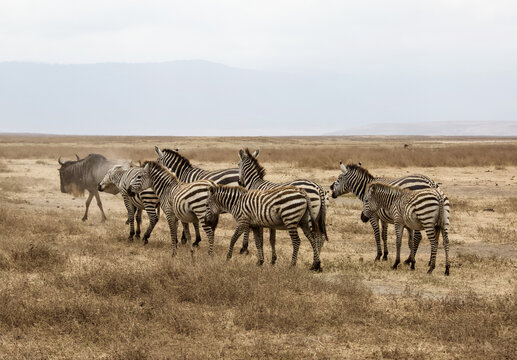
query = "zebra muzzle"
{"x": 364, "y": 218}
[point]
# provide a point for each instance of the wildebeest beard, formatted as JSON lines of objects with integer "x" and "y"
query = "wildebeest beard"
{"x": 72, "y": 179}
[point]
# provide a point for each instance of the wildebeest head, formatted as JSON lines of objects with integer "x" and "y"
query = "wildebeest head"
{"x": 69, "y": 178}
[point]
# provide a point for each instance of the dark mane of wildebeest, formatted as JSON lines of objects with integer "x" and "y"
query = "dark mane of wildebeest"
{"x": 76, "y": 176}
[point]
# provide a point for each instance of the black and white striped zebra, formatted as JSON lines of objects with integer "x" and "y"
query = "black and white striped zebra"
{"x": 426, "y": 209}
{"x": 251, "y": 176}
{"x": 283, "y": 208}
{"x": 121, "y": 176}
{"x": 356, "y": 178}
{"x": 181, "y": 201}
{"x": 186, "y": 172}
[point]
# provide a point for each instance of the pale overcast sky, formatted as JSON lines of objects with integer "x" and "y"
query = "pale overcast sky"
{"x": 313, "y": 66}
{"x": 335, "y": 36}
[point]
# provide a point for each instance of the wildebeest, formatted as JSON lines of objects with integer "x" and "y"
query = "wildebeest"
{"x": 86, "y": 174}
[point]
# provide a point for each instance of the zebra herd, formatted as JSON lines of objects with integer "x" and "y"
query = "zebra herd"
{"x": 189, "y": 194}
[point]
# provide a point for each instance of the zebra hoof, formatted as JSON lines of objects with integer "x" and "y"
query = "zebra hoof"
{"x": 244, "y": 251}
{"x": 127, "y": 222}
{"x": 228, "y": 257}
{"x": 273, "y": 260}
{"x": 146, "y": 241}
{"x": 430, "y": 271}
{"x": 84, "y": 218}
{"x": 412, "y": 265}
{"x": 137, "y": 236}
{"x": 385, "y": 257}
{"x": 260, "y": 262}
{"x": 196, "y": 244}
{"x": 447, "y": 270}
{"x": 394, "y": 267}
{"x": 316, "y": 267}
{"x": 407, "y": 261}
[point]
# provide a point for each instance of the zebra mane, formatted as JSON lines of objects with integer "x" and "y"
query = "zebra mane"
{"x": 161, "y": 168}
{"x": 360, "y": 169}
{"x": 385, "y": 187}
{"x": 182, "y": 158}
{"x": 256, "y": 166}
{"x": 229, "y": 187}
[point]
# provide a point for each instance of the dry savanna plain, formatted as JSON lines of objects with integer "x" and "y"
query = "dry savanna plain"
{"x": 73, "y": 289}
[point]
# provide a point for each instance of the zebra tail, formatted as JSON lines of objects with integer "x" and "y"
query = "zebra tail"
{"x": 322, "y": 217}
{"x": 314, "y": 223}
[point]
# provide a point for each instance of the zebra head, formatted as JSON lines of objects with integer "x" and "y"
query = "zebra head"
{"x": 213, "y": 207}
{"x": 249, "y": 168}
{"x": 166, "y": 157}
{"x": 140, "y": 181}
{"x": 111, "y": 178}
{"x": 353, "y": 179}
{"x": 370, "y": 205}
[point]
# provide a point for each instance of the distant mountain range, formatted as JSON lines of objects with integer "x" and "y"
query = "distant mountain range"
{"x": 204, "y": 98}
{"x": 435, "y": 128}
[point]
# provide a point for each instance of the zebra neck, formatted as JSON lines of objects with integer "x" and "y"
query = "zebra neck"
{"x": 255, "y": 182}
{"x": 359, "y": 187}
{"x": 228, "y": 199}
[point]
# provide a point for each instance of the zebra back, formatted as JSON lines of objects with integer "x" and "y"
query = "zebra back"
{"x": 186, "y": 172}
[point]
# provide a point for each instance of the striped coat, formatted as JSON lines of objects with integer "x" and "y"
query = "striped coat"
{"x": 121, "y": 176}
{"x": 285, "y": 208}
{"x": 355, "y": 179}
{"x": 184, "y": 202}
{"x": 426, "y": 209}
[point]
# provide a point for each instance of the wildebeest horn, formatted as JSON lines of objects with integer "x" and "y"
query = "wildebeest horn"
{"x": 59, "y": 161}
{"x": 77, "y": 156}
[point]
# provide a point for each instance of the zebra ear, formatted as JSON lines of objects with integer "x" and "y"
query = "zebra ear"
{"x": 241, "y": 154}
{"x": 158, "y": 151}
{"x": 343, "y": 167}
{"x": 359, "y": 164}
{"x": 211, "y": 191}
{"x": 176, "y": 149}
{"x": 256, "y": 153}
{"x": 146, "y": 167}
{"x": 373, "y": 188}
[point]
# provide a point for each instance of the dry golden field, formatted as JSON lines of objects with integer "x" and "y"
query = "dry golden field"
{"x": 70, "y": 289}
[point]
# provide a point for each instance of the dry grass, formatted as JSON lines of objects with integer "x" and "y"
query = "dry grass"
{"x": 324, "y": 153}
{"x": 70, "y": 289}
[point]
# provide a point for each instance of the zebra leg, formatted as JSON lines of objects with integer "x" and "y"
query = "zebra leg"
{"x": 138, "y": 222}
{"x": 272, "y": 242}
{"x": 209, "y": 233}
{"x": 245, "y": 240}
{"x": 316, "y": 263}
{"x": 375, "y": 226}
{"x": 417, "y": 237}
{"x": 296, "y": 244}
{"x": 410, "y": 242}
{"x": 445, "y": 236}
{"x": 432, "y": 235}
{"x": 173, "y": 228}
{"x": 131, "y": 217}
{"x": 259, "y": 242}
{"x": 399, "y": 230}
{"x": 153, "y": 219}
{"x": 99, "y": 204}
{"x": 186, "y": 231}
{"x": 385, "y": 240}
{"x": 198, "y": 234}
{"x": 88, "y": 201}
{"x": 238, "y": 231}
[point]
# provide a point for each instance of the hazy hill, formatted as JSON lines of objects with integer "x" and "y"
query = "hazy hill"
{"x": 204, "y": 98}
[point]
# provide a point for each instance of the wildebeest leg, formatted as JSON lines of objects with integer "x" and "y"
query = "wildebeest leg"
{"x": 88, "y": 201}
{"x": 245, "y": 240}
{"x": 99, "y": 204}
{"x": 272, "y": 242}
{"x": 138, "y": 222}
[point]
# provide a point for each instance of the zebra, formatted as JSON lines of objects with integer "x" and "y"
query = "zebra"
{"x": 356, "y": 178}
{"x": 251, "y": 176}
{"x": 121, "y": 176}
{"x": 426, "y": 209}
{"x": 186, "y": 172}
{"x": 283, "y": 208}
{"x": 181, "y": 201}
